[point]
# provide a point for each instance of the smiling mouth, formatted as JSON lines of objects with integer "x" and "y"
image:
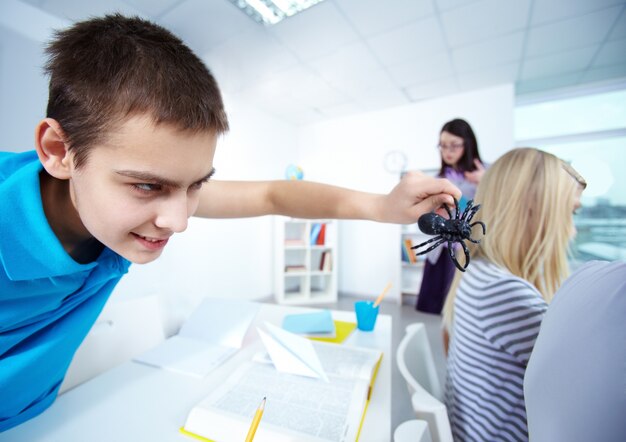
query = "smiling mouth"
{"x": 151, "y": 243}
{"x": 145, "y": 238}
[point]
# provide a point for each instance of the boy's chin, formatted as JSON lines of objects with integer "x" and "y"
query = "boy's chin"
{"x": 140, "y": 258}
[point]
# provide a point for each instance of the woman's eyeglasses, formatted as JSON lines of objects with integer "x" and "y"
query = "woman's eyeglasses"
{"x": 450, "y": 147}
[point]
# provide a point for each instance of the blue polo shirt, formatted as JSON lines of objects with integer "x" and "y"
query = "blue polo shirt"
{"x": 48, "y": 301}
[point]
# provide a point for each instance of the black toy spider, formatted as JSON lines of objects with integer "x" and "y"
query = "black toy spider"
{"x": 454, "y": 229}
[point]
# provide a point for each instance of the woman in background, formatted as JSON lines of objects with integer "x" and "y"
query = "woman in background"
{"x": 461, "y": 164}
{"x": 494, "y": 310}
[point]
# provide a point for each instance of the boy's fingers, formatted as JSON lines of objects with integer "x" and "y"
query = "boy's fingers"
{"x": 450, "y": 190}
{"x": 434, "y": 202}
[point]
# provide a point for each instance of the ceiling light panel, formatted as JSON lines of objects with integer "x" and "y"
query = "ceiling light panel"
{"x": 270, "y": 12}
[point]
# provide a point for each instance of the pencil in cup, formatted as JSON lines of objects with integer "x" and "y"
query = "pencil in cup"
{"x": 255, "y": 421}
{"x": 382, "y": 295}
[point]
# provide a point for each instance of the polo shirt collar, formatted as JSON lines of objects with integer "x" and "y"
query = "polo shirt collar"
{"x": 25, "y": 229}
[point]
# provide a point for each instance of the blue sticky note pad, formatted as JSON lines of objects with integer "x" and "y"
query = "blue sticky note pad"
{"x": 310, "y": 323}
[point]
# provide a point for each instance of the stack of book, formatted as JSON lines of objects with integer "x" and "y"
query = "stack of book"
{"x": 408, "y": 255}
{"x": 326, "y": 261}
{"x": 295, "y": 268}
{"x": 318, "y": 234}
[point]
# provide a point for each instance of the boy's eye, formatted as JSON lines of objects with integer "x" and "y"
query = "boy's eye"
{"x": 196, "y": 186}
{"x": 147, "y": 188}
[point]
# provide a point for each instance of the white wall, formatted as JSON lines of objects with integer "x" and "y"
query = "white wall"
{"x": 350, "y": 152}
{"x": 23, "y": 90}
{"x": 24, "y": 30}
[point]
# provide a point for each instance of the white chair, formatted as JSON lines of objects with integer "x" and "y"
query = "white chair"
{"x": 416, "y": 364}
{"x": 414, "y": 430}
{"x": 123, "y": 330}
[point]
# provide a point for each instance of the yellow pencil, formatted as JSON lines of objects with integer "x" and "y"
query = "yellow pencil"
{"x": 382, "y": 295}
{"x": 255, "y": 422}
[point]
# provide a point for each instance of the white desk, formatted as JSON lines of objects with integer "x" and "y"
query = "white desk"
{"x": 134, "y": 402}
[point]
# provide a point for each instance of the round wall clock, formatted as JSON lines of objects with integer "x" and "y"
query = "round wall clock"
{"x": 395, "y": 161}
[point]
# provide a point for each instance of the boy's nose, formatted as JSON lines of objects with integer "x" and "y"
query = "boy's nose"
{"x": 173, "y": 215}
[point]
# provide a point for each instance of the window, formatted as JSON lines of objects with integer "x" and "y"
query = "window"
{"x": 590, "y": 132}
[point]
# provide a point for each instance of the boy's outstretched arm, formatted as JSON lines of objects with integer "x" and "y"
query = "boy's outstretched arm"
{"x": 415, "y": 195}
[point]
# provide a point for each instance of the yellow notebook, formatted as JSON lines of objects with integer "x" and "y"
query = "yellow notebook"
{"x": 298, "y": 407}
{"x": 342, "y": 331}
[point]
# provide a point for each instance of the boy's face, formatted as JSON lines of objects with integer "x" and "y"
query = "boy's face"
{"x": 140, "y": 188}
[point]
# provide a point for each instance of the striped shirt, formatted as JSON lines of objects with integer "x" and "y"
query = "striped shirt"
{"x": 496, "y": 320}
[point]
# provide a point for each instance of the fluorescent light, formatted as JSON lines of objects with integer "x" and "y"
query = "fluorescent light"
{"x": 267, "y": 15}
{"x": 270, "y": 12}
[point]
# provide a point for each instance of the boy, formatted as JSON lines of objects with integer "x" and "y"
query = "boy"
{"x": 122, "y": 160}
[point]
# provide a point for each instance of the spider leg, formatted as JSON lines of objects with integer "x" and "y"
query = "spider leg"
{"x": 472, "y": 213}
{"x": 453, "y": 256}
{"x": 480, "y": 223}
{"x": 467, "y": 253}
{"x": 448, "y": 210}
{"x": 456, "y": 207}
{"x": 436, "y": 238}
{"x": 434, "y": 246}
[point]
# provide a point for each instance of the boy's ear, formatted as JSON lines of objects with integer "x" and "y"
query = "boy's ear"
{"x": 52, "y": 149}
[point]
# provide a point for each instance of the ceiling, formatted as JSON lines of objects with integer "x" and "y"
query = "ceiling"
{"x": 349, "y": 56}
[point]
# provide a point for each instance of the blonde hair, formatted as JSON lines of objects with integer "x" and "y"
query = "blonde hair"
{"x": 526, "y": 200}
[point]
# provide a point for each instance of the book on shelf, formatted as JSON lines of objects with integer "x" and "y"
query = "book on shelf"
{"x": 321, "y": 237}
{"x": 294, "y": 242}
{"x": 295, "y": 268}
{"x": 405, "y": 255}
{"x": 407, "y": 244}
{"x": 298, "y": 407}
{"x": 326, "y": 261}
{"x": 315, "y": 231}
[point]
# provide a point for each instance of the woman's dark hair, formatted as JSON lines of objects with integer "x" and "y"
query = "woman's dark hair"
{"x": 461, "y": 128}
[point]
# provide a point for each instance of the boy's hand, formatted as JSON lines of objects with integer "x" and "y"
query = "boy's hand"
{"x": 415, "y": 195}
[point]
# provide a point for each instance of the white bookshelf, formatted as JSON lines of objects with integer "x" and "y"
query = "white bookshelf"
{"x": 411, "y": 273}
{"x": 299, "y": 276}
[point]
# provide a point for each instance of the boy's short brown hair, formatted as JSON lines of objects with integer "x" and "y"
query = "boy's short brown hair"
{"x": 107, "y": 69}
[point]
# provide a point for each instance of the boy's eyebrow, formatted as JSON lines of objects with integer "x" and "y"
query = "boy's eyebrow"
{"x": 150, "y": 177}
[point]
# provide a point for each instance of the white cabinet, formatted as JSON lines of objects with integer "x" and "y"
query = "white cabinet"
{"x": 411, "y": 272}
{"x": 305, "y": 260}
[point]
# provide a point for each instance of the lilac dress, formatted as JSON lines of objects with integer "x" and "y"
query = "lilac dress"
{"x": 439, "y": 268}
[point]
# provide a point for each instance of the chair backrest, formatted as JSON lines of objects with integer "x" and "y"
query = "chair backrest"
{"x": 416, "y": 364}
{"x": 123, "y": 330}
{"x": 414, "y": 430}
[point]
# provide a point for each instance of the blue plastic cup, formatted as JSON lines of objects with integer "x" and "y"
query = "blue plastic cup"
{"x": 366, "y": 315}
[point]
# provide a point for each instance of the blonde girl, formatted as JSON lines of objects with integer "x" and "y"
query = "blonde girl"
{"x": 493, "y": 311}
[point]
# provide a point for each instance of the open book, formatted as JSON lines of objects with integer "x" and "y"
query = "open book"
{"x": 211, "y": 335}
{"x": 298, "y": 408}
